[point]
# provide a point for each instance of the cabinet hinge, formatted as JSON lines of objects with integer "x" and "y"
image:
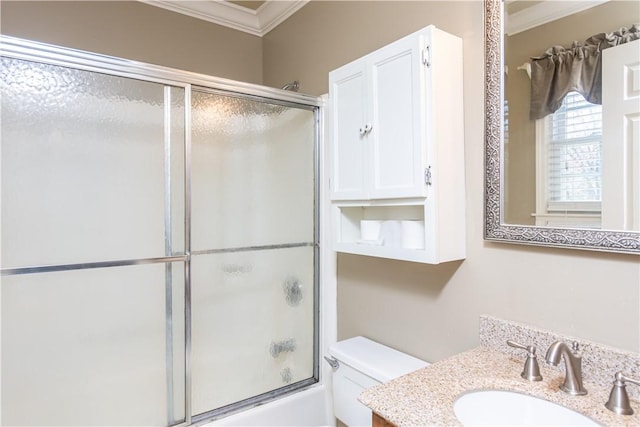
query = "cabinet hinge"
{"x": 427, "y": 175}
{"x": 426, "y": 56}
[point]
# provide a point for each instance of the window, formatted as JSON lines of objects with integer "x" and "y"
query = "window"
{"x": 569, "y": 147}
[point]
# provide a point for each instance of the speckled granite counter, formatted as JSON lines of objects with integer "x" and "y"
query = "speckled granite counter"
{"x": 426, "y": 397}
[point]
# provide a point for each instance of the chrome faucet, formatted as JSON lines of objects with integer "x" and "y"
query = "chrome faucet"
{"x": 573, "y": 366}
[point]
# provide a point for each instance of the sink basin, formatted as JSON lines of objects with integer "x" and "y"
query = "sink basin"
{"x": 502, "y": 408}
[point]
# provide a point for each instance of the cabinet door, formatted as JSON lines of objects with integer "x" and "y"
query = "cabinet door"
{"x": 398, "y": 112}
{"x": 349, "y": 155}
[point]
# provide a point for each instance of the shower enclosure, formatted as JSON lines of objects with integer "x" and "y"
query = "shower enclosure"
{"x": 159, "y": 241}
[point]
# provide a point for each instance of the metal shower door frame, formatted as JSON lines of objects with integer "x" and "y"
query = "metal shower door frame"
{"x": 65, "y": 57}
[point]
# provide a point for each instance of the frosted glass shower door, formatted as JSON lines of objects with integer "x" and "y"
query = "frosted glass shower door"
{"x": 93, "y": 242}
{"x": 253, "y": 249}
{"x": 88, "y": 348}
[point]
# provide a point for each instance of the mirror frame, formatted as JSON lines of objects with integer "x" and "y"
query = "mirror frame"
{"x": 494, "y": 228}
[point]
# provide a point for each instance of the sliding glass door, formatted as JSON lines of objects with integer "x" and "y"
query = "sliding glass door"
{"x": 92, "y": 214}
{"x": 253, "y": 248}
{"x": 159, "y": 244}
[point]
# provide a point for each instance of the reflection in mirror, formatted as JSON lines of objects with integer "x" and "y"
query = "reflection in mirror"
{"x": 565, "y": 160}
{"x": 562, "y": 154}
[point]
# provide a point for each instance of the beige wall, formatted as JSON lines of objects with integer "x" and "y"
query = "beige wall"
{"x": 432, "y": 311}
{"x": 324, "y": 35}
{"x": 428, "y": 311}
{"x": 520, "y": 194}
{"x": 134, "y": 30}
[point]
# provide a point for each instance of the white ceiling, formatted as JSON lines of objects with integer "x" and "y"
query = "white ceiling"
{"x": 257, "y": 22}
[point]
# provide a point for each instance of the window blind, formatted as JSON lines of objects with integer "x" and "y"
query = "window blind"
{"x": 574, "y": 156}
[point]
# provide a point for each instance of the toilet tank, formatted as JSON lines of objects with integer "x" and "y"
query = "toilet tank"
{"x": 362, "y": 364}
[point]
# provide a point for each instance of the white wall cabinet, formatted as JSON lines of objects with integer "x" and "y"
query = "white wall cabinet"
{"x": 397, "y": 148}
{"x": 377, "y": 123}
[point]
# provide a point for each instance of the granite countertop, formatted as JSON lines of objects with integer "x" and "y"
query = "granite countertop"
{"x": 426, "y": 396}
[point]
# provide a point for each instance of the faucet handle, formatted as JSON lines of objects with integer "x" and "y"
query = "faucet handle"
{"x": 531, "y": 371}
{"x": 619, "y": 399}
{"x": 575, "y": 348}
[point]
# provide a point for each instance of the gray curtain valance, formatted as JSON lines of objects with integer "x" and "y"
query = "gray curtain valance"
{"x": 578, "y": 68}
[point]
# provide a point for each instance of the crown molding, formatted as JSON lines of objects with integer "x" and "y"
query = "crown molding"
{"x": 545, "y": 12}
{"x": 256, "y": 22}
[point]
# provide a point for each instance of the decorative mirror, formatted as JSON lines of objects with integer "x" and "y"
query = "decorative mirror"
{"x": 559, "y": 170}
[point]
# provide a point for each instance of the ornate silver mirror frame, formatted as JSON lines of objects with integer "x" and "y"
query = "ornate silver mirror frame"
{"x": 495, "y": 228}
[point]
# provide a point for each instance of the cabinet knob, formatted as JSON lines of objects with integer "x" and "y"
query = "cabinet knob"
{"x": 366, "y": 129}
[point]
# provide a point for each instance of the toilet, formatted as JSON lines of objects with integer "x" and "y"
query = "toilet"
{"x": 358, "y": 364}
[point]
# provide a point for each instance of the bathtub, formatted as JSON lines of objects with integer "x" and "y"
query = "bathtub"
{"x": 310, "y": 407}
